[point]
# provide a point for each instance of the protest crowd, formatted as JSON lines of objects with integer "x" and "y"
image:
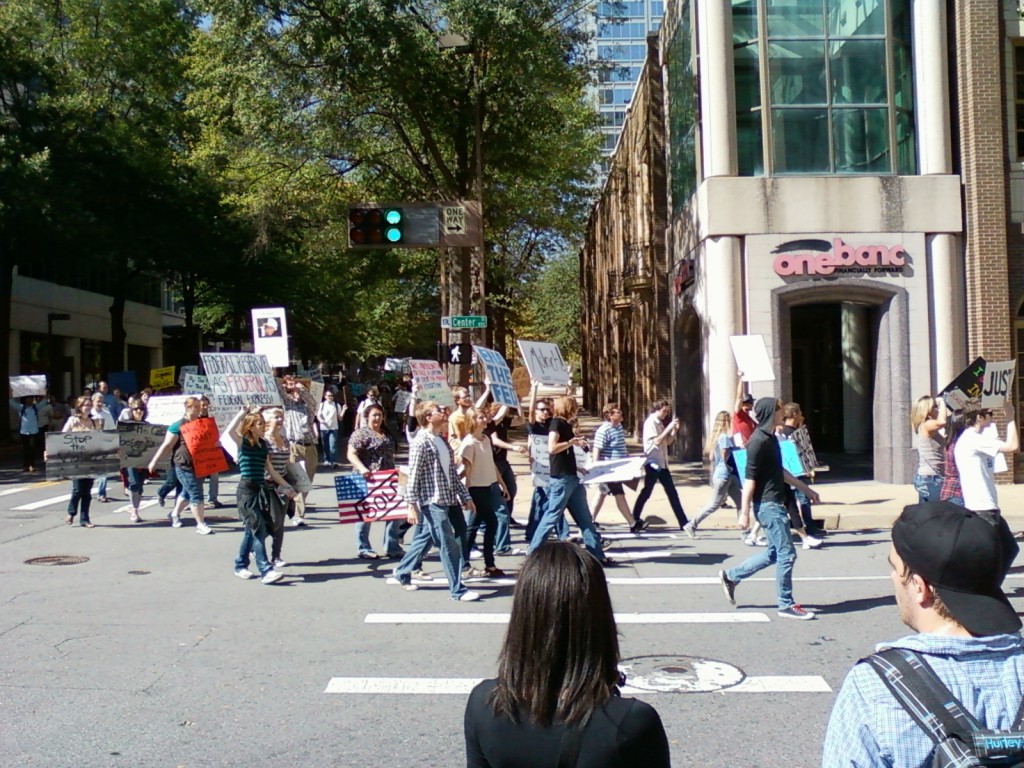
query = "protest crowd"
{"x": 950, "y": 552}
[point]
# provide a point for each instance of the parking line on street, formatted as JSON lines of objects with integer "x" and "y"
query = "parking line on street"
{"x": 464, "y": 685}
{"x": 621, "y": 618}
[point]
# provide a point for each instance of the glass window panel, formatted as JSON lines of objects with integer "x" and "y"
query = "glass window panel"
{"x": 853, "y": 18}
{"x": 903, "y": 78}
{"x": 861, "y": 140}
{"x": 744, "y": 21}
{"x": 899, "y": 11}
{"x": 748, "y": 78}
{"x": 795, "y": 18}
{"x": 797, "y": 72}
{"x": 749, "y": 145}
{"x": 857, "y": 77}
{"x": 906, "y": 144}
{"x": 800, "y": 141}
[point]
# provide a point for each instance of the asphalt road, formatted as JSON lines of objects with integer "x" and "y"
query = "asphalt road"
{"x": 152, "y": 653}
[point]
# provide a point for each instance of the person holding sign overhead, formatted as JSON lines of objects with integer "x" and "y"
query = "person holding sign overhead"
{"x": 181, "y": 458}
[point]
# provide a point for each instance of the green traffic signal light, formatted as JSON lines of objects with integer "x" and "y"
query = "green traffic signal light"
{"x": 394, "y": 216}
{"x": 393, "y": 234}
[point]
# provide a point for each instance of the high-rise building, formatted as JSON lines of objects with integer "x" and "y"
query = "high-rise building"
{"x": 621, "y": 40}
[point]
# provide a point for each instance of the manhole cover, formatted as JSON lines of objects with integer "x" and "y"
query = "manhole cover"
{"x": 680, "y": 674}
{"x": 57, "y": 560}
{"x": 138, "y": 573}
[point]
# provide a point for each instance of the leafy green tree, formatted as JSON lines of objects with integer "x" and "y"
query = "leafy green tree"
{"x": 553, "y": 308}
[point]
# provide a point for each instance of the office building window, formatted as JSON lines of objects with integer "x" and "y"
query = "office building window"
{"x": 839, "y": 96}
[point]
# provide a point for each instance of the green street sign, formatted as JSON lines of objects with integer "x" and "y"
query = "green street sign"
{"x": 459, "y": 322}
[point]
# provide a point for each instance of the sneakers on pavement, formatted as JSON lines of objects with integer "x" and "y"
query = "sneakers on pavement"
{"x": 812, "y": 543}
{"x": 690, "y": 530}
{"x": 271, "y": 576}
{"x": 796, "y": 612}
{"x": 468, "y": 596}
{"x": 494, "y": 572}
{"x": 762, "y": 541}
{"x": 640, "y": 526}
{"x": 510, "y": 552}
{"x": 161, "y": 501}
{"x": 475, "y": 554}
{"x": 298, "y": 522}
{"x": 473, "y": 573}
{"x": 279, "y": 563}
{"x": 410, "y": 587}
{"x": 244, "y": 573}
{"x": 175, "y": 521}
{"x": 728, "y": 587}
{"x": 203, "y": 529}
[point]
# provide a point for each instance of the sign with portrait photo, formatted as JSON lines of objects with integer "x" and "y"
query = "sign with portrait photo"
{"x": 270, "y": 335}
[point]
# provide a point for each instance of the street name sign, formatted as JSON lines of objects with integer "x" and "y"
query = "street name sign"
{"x": 459, "y": 322}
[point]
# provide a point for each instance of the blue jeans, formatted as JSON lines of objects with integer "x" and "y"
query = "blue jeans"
{"x": 655, "y": 474}
{"x": 252, "y": 541}
{"x": 329, "y": 440}
{"x": 101, "y": 491}
{"x": 191, "y": 485}
{"x": 214, "y": 486}
{"x": 780, "y": 550}
{"x": 503, "y": 537}
{"x": 170, "y": 484}
{"x": 391, "y": 543}
{"x": 566, "y": 492}
{"x": 136, "y": 479}
{"x": 81, "y": 498}
{"x": 488, "y": 501}
{"x": 446, "y": 528}
{"x": 538, "y": 504}
{"x": 927, "y": 487}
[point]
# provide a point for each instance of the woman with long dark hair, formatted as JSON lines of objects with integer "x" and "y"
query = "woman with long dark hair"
{"x": 370, "y": 449}
{"x": 555, "y": 700}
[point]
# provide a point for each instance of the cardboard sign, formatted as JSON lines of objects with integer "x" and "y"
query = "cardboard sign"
{"x": 752, "y": 359}
{"x": 967, "y": 385}
{"x": 270, "y": 335}
{"x": 194, "y": 384}
{"x": 501, "y": 377}
{"x": 27, "y": 386}
{"x": 616, "y": 471}
{"x": 71, "y": 455}
{"x": 545, "y": 363}
{"x": 790, "y": 460}
{"x": 998, "y": 384}
{"x": 362, "y": 500}
{"x": 185, "y": 370}
{"x": 162, "y": 378}
{"x": 140, "y": 442}
{"x": 240, "y": 378}
{"x": 397, "y": 364}
{"x": 165, "y": 409}
{"x": 433, "y": 384}
{"x": 203, "y": 441}
{"x": 316, "y": 389}
{"x": 400, "y": 403}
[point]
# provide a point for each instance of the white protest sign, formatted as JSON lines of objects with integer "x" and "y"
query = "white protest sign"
{"x": 165, "y": 409}
{"x": 269, "y": 336}
{"x": 240, "y": 378}
{"x": 545, "y": 363}
{"x": 82, "y": 454}
{"x": 752, "y": 357}
{"x": 28, "y": 386}
{"x": 998, "y": 383}
{"x": 185, "y": 370}
{"x": 401, "y": 402}
{"x": 316, "y": 389}
{"x": 616, "y": 471}
{"x": 432, "y": 382}
{"x": 500, "y": 376}
{"x": 396, "y": 364}
{"x": 194, "y": 384}
{"x": 540, "y": 460}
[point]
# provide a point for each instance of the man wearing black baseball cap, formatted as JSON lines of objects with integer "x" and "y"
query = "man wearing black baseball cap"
{"x": 946, "y": 565}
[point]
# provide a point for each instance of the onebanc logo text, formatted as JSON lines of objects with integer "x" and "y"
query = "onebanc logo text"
{"x": 811, "y": 258}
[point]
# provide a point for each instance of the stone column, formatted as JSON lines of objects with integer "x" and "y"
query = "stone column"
{"x": 717, "y": 89}
{"x": 724, "y": 289}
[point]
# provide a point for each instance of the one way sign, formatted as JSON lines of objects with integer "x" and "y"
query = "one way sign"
{"x": 460, "y": 354}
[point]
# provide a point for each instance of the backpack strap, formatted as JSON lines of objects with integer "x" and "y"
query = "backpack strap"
{"x": 923, "y": 695}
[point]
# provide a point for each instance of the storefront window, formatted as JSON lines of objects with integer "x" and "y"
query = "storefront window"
{"x": 839, "y": 86}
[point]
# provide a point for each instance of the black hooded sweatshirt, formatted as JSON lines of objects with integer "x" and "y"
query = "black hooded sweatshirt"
{"x": 764, "y": 456}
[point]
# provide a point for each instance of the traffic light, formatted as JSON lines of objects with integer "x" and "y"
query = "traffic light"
{"x": 376, "y": 227}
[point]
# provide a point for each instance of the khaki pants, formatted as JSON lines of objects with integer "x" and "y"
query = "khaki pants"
{"x": 309, "y": 458}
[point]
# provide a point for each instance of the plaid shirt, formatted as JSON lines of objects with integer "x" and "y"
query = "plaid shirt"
{"x": 869, "y": 728}
{"x": 299, "y": 417}
{"x": 428, "y": 483}
{"x": 951, "y": 478}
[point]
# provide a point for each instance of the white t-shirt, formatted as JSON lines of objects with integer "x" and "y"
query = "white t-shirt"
{"x": 443, "y": 456}
{"x": 974, "y": 452}
{"x": 652, "y": 428}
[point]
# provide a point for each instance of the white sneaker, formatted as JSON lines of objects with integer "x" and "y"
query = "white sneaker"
{"x": 298, "y": 522}
{"x": 475, "y": 554}
{"x": 469, "y": 596}
{"x": 279, "y": 563}
{"x": 271, "y": 576}
{"x": 689, "y": 530}
{"x": 244, "y": 573}
{"x": 203, "y": 529}
{"x": 175, "y": 521}
{"x": 812, "y": 543}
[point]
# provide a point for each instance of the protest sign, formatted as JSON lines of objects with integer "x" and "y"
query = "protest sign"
{"x": 752, "y": 359}
{"x": 432, "y": 382}
{"x": 162, "y": 378}
{"x": 790, "y": 460}
{"x": 316, "y": 389}
{"x": 396, "y": 364}
{"x": 165, "y": 409}
{"x": 140, "y": 442}
{"x": 203, "y": 441}
{"x": 126, "y": 381}
{"x": 27, "y": 386}
{"x": 998, "y": 384}
{"x": 362, "y": 500}
{"x": 241, "y": 378}
{"x": 270, "y": 335}
{"x": 545, "y": 363}
{"x": 82, "y": 454}
{"x": 400, "y": 403}
{"x": 540, "y": 456}
{"x": 194, "y": 384}
{"x": 500, "y": 376}
{"x": 185, "y": 370}
{"x": 616, "y": 471}
{"x": 967, "y": 385}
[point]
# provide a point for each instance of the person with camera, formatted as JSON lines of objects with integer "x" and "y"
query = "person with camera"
{"x": 659, "y": 433}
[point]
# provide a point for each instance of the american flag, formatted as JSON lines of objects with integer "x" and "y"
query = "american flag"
{"x": 362, "y": 500}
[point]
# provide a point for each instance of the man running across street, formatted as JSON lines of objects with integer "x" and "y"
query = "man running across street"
{"x": 764, "y": 486}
